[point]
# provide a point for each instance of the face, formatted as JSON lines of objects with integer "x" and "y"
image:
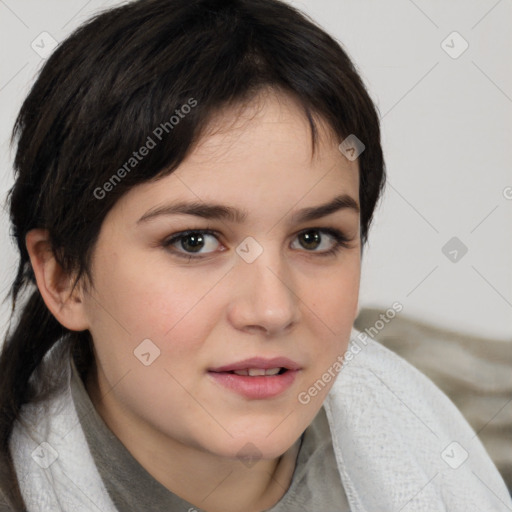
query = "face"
{"x": 169, "y": 306}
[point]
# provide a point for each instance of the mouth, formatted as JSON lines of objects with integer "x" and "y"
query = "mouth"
{"x": 258, "y": 372}
{"x": 256, "y": 366}
{"x": 257, "y": 378}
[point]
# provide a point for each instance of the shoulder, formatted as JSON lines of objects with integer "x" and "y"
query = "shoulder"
{"x": 370, "y": 364}
{"x": 393, "y": 426}
{"x": 396, "y": 403}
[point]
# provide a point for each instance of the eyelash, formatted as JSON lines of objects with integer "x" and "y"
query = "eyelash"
{"x": 341, "y": 241}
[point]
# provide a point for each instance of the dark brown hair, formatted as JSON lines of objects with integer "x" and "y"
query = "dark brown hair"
{"x": 99, "y": 96}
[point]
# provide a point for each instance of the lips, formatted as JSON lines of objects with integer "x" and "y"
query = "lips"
{"x": 259, "y": 363}
{"x": 257, "y": 378}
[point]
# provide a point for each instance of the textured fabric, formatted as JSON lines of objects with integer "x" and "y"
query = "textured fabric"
{"x": 399, "y": 443}
{"x": 475, "y": 372}
{"x": 315, "y": 485}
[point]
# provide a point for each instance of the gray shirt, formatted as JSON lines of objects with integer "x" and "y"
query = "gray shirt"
{"x": 315, "y": 484}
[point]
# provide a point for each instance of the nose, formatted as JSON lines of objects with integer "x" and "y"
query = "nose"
{"x": 263, "y": 296}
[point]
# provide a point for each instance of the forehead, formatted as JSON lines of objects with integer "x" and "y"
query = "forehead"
{"x": 268, "y": 140}
{"x": 270, "y": 119}
{"x": 259, "y": 157}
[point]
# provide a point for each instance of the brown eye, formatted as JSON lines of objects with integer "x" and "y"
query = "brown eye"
{"x": 194, "y": 242}
{"x": 329, "y": 240}
{"x": 311, "y": 239}
{"x": 188, "y": 243}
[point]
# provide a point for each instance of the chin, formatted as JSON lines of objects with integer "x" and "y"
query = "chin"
{"x": 253, "y": 447}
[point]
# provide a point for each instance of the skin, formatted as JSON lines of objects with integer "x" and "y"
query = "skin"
{"x": 186, "y": 430}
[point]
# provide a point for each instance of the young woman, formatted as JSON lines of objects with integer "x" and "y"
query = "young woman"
{"x": 195, "y": 184}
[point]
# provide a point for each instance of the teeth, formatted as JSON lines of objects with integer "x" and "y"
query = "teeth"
{"x": 272, "y": 371}
{"x": 254, "y": 372}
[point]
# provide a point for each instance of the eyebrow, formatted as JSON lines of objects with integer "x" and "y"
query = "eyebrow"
{"x": 228, "y": 213}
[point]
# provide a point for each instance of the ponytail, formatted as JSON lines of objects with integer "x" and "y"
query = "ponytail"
{"x": 35, "y": 333}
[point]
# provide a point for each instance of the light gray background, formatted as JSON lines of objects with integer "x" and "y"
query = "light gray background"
{"x": 447, "y": 138}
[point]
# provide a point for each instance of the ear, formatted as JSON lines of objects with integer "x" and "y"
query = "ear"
{"x": 54, "y": 284}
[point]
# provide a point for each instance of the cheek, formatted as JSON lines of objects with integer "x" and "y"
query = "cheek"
{"x": 147, "y": 299}
{"x": 332, "y": 310}
{"x": 335, "y": 295}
